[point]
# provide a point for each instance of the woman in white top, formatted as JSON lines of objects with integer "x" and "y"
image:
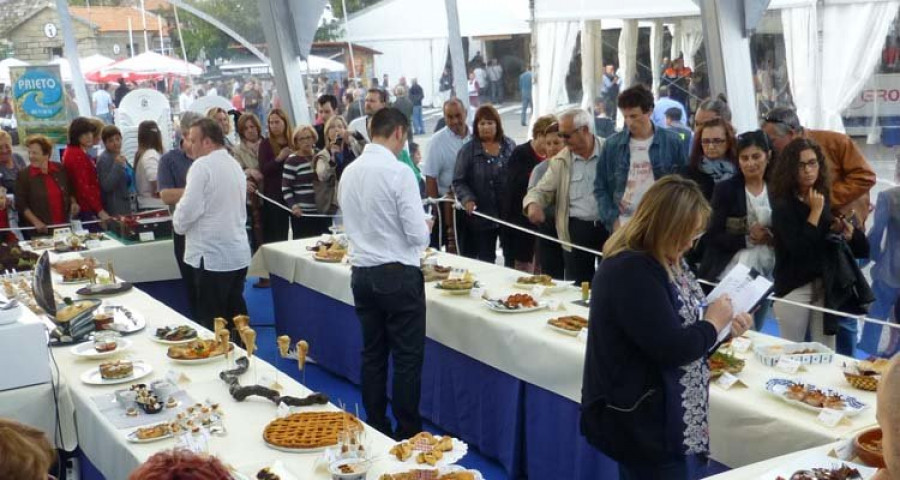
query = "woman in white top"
{"x": 740, "y": 228}
{"x": 146, "y": 162}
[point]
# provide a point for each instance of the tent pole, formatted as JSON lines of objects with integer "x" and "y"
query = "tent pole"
{"x": 144, "y": 22}
{"x": 460, "y": 81}
{"x": 181, "y": 40}
{"x": 130, "y": 39}
{"x": 162, "y": 45}
{"x": 71, "y": 51}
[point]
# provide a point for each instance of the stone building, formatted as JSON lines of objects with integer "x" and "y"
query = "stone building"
{"x": 30, "y": 30}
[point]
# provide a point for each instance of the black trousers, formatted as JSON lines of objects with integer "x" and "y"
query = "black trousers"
{"x": 550, "y": 254}
{"x": 480, "y": 244}
{"x": 275, "y": 222}
{"x": 305, "y": 227}
{"x": 219, "y": 294}
{"x": 580, "y": 266}
{"x": 187, "y": 274}
{"x": 390, "y": 304}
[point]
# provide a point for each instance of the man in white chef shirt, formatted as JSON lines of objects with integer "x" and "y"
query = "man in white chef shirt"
{"x": 387, "y": 230}
{"x": 212, "y": 216}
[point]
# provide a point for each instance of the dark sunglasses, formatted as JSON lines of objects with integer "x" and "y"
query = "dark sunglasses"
{"x": 566, "y": 136}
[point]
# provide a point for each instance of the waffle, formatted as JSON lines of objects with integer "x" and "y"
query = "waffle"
{"x": 309, "y": 430}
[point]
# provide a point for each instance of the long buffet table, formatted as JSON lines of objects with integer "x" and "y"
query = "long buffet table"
{"x": 511, "y": 386}
{"x": 115, "y": 457}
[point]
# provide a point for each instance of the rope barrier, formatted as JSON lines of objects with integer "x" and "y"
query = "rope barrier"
{"x": 64, "y": 225}
{"x": 459, "y": 206}
{"x": 289, "y": 210}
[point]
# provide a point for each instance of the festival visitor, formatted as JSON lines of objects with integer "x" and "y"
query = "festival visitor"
{"x": 645, "y": 399}
{"x": 81, "y": 171}
{"x": 115, "y": 174}
{"x": 675, "y": 124}
{"x": 181, "y": 464}
{"x": 710, "y": 109}
{"x": 342, "y": 147}
{"x": 25, "y": 452}
{"x": 888, "y": 418}
{"x": 568, "y": 186}
{"x": 10, "y": 163}
{"x": 663, "y": 103}
{"x": 713, "y": 158}
{"x": 403, "y": 103}
{"x": 326, "y": 108}
{"x": 224, "y": 120}
{"x": 146, "y": 166}
{"x": 376, "y": 99}
{"x": 246, "y": 152}
{"x": 440, "y": 163}
{"x": 549, "y": 255}
{"x": 44, "y": 195}
{"x": 884, "y": 250}
{"x": 388, "y": 231}
{"x": 604, "y": 126}
{"x": 525, "y": 83}
{"x": 103, "y": 104}
{"x": 416, "y": 96}
{"x": 273, "y": 151}
{"x": 297, "y": 185}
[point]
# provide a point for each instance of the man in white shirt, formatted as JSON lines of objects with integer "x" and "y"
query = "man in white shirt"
{"x": 212, "y": 216}
{"x": 103, "y": 104}
{"x": 388, "y": 230}
{"x": 440, "y": 162}
{"x": 376, "y": 99}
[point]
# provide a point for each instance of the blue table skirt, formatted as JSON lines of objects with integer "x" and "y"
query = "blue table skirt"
{"x": 475, "y": 402}
{"x": 171, "y": 293}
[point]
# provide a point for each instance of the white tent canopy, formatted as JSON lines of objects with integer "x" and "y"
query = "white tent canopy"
{"x": 152, "y": 62}
{"x": 556, "y": 10}
{"x": 4, "y": 68}
{"x": 315, "y": 63}
{"x": 419, "y": 48}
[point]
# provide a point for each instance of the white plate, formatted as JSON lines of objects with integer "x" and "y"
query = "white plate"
{"x": 92, "y": 376}
{"x": 326, "y": 260}
{"x": 123, "y": 325}
{"x": 441, "y": 471}
{"x": 571, "y": 333}
{"x": 86, "y": 349}
{"x": 132, "y": 437}
{"x": 493, "y": 306}
{"x": 59, "y": 278}
{"x": 560, "y": 285}
{"x": 778, "y": 386}
{"x": 297, "y": 450}
{"x": 200, "y": 361}
{"x": 460, "y": 449}
{"x": 277, "y": 467}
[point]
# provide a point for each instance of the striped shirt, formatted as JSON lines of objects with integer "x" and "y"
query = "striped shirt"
{"x": 297, "y": 183}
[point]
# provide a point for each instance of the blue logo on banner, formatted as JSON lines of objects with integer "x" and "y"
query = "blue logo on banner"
{"x": 40, "y": 93}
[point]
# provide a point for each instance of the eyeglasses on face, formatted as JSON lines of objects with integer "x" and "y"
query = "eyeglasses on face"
{"x": 712, "y": 141}
{"x": 810, "y": 165}
{"x": 568, "y": 135}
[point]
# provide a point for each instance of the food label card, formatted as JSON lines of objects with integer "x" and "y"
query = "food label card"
{"x": 476, "y": 292}
{"x": 741, "y": 344}
{"x": 457, "y": 274}
{"x": 727, "y": 380}
{"x": 844, "y": 450}
{"x": 175, "y": 377}
{"x": 283, "y": 410}
{"x": 830, "y": 417}
{"x": 788, "y": 365}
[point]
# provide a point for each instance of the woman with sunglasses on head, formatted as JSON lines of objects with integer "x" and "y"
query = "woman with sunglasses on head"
{"x": 480, "y": 182}
{"x": 645, "y": 399}
{"x": 713, "y": 157}
{"x": 298, "y": 185}
{"x": 802, "y": 223}
{"x": 740, "y": 228}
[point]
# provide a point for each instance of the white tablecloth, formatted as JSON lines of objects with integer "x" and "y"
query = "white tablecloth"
{"x": 243, "y": 448}
{"x": 138, "y": 262}
{"x": 747, "y": 425}
{"x": 34, "y": 406}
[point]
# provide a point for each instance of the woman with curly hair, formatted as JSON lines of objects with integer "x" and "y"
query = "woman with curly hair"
{"x": 181, "y": 465}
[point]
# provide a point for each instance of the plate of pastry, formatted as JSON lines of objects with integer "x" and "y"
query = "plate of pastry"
{"x": 546, "y": 281}
{"x": 813, "y": 398}
{"x": 174, "y": 334}
{"x": 429, "y": 450}
{"x": 198, "y": 351}
{"x": 308, "y": 432}
{"x": 569, "y": 325}
{"x": 516, "y": 303}
{"x": 333, "y": 253}
{"x": 456, "y": 286}
{"x": 114, "y": 372}
{"x": 98, "y": 350}
{"x": 451, "y": 472}
{"x": 721, "y": 362}
{"x": 150, "y": 434}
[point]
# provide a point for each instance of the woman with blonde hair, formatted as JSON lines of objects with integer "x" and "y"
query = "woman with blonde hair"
{"x": 341, "y": 148}
{"x": 645, "y": 399}
{"x": 273, "y": 151}
{"x": 299, "y": 185}
{"x": 25, "y": 452}
{"x": 224, "y": 120}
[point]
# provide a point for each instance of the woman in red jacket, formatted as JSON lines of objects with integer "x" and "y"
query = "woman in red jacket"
{"x": 82, "y": 171}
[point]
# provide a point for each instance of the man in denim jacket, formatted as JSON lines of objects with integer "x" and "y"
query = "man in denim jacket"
{"x": 634, "y": 158}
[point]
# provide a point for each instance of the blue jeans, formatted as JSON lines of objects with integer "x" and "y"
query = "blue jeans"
{"x": 418, "y": 122}
{"x": 845, "y": 343}
{"x": 526, "y": 102}
{"x": 106, "y": 117}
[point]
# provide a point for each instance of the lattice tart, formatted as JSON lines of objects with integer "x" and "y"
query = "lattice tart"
{"x": 308, "y": 430}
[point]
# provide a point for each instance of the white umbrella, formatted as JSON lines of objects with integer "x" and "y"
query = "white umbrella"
{"x": 92, "y": 62}
{"x": 4, "y": 68}
{"x": 152, "y": 63}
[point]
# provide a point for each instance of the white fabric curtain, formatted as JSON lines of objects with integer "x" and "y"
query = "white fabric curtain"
{"x": 801, "y": 47}
{"x": 590, "y": 31}
{"x": 628, "y": 44}
{"x": 656, "y": 53}
{"x": 690, "y": 33}
{"x": 853, "y": 36}
{"x": 555, "y": 44}
{"x": 438, "y": 58}
{"x": 675, "y": 30}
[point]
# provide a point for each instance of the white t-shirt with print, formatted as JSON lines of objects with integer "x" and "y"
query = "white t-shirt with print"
{"x": 640, "y": 178}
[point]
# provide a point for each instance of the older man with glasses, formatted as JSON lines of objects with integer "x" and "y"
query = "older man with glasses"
{"x": 568, "y": 184}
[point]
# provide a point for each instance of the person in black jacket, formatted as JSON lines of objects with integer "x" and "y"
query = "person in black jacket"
{"x": 802, "y": 223}
{"x": 740, "y": 228}
{"x": 645, "y": 395}
{"x": 480, "y": 181}
{"x": 416, "y": 95}
{"x": 713, "y": 157}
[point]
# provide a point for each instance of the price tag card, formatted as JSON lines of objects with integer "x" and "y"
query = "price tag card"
{"x": 727, "y": 380}
{"x": 555, "y": 305}
{"x": 146, "y": 236}
{"x": 92, "y": 244}
{"x": 844, "y": 450}
{"x": 457, "y": 274}
{"x": 788, "y": 365}
{"x": 830, "y": 417}
{"x": 476, "y": 292}
{"x": 283, "y": 410}
{"x": 741, "y": 344}
{"x": 537, "y": 291}
{"x": 172, "y": 376}
{"x": 582, "y": 335}
{"x": 61, "y": 233}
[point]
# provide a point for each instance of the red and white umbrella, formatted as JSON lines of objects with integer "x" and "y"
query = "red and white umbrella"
{"x": 145, "y": 66}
